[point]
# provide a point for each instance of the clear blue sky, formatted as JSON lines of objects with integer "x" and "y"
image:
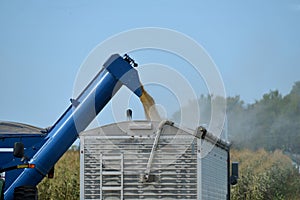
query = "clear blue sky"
{"x": 255, "y": 44}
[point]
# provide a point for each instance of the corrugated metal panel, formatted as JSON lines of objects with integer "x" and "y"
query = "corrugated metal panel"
{"x": 173, "y": 173}
{"x": 213, "y": 170}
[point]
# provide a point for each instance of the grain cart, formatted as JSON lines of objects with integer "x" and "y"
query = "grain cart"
{"x": 153, "y": 160}
{"x": 28, "y": 154}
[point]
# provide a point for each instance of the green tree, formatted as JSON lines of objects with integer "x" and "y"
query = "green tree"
{"x": 265, "y": 175}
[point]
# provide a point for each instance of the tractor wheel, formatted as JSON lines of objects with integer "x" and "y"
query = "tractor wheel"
{"x": 26, "y": 192}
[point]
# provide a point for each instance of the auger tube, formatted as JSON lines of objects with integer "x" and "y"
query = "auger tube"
{"x": 117, "y": 71}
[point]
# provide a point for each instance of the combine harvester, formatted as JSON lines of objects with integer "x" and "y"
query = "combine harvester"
{"x": 28, "y": 154}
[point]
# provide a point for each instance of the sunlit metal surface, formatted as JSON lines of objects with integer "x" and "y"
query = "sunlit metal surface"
{"x": 114, "y": 161}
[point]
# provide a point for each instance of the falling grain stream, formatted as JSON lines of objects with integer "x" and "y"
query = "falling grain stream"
{"x": 149, "y": 106}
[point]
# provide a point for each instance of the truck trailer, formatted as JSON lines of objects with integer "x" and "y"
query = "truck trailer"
{"x": 153, "y": 160}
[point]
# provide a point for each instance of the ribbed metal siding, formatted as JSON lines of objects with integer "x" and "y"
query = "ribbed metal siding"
{"x": 178, "y": 171}
{"x": 174, "y": 168}
{"x": 214, "y": 174}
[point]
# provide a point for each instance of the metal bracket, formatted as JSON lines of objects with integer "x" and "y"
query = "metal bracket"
{"x": 130, "y": 60}
{"x": 74, "y": 102}
{"x": 200, "y": 132}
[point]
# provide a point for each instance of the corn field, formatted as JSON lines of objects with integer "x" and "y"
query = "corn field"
{"x": 65, "y": 184}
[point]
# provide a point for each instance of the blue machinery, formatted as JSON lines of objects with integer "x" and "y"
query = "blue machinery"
{"x": 117, "y": 71}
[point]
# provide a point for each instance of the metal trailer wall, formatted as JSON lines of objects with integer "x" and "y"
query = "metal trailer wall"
{"x": 115, "y": 158}
{"x": 213, "y": 171}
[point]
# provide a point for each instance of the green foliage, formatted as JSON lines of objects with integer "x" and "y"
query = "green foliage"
{"x": 265, "y": 175}
{"x": 65, "y": 184}
{"x": 271, "y": 123}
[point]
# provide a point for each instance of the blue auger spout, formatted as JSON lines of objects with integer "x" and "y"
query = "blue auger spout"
{"x": 117, "y": 71}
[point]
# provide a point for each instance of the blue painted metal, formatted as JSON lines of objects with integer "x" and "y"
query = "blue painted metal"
{"x": 77, "y": 117}
{"x": 8, "y": 141}
{"x": 11, "y": 132}
{"x": 32, "y": 142}
{"x": 127, "y": 75}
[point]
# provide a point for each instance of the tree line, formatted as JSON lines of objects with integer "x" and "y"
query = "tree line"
{"x": 272, "y": 122}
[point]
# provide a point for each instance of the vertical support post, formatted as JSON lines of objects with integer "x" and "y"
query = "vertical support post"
{"x": 228, "y": 175}
{"x": 122, "y": 175}
{"x": 82, "y": 168}
{"x": 101, "y": 176}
